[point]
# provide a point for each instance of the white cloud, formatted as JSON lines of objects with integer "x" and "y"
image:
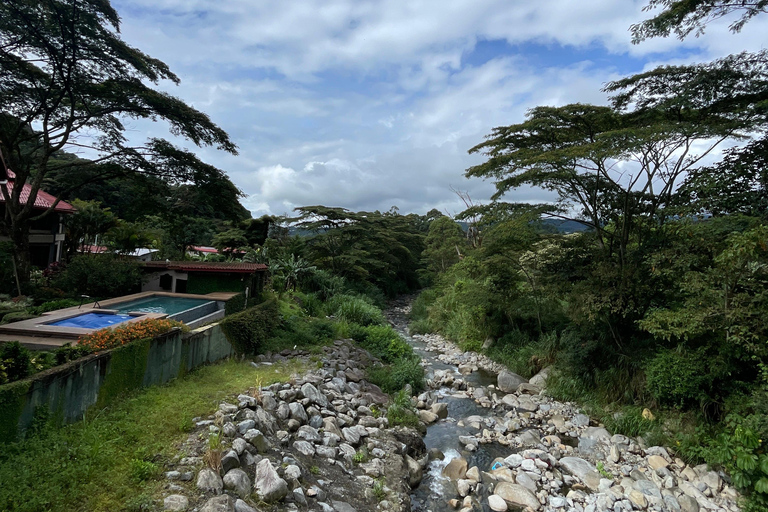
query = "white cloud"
{"x": 371, "y": 103}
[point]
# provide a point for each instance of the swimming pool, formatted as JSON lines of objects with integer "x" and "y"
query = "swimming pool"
{"x": 93, "y": 320}
{"x": 159, "y": 304}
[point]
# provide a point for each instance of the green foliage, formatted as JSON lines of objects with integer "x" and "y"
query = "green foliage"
{"x": 740, "y": 450}
{"x": 53, "y": 305}
{"x": 248, "y": 330}
{"x": 300, "y": 332}
{"x": 444, "y": 245}
{"x": 142, "y": 470}
{"x": 352, "y": 309}
{"x": 99, "y": 275}
{"x": 380, "y": 249}
{"x": 17, "y": 316}
{"x": 629, "y": 422}
{"x": 395, "y": 376}
{"x": 15, "y": 361}
{"x": 401, "y": 411}
{"x": 679, "y": 377}
{"x": 381, "y": 341}
{"x": 238, "y": 304}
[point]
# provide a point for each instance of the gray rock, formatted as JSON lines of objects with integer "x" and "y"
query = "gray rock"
{"x": 316, "y": 421}
{"x": 688, "y": 504}
{"x": 230, "y": 460}
{"x": 342, "y": 506}
{"x": 456, "y": 469}
{"x": 268, "y": 484}
{"x": 176, "y": 503}
{"x": 440, "y": 409}
{"x": 580, "y": 420}
{"x": 236, "y": 480}
{"x": 219, "y": 504}
{"x": 299, "y": 497}
{"x": 208, "y": 480}
{"x": 309, "y": 434}
{"x": 257, "y": 439}
{"x": 309, "y": 391}
{"x": 508, "y": 382}
{"x": 415, "y": 472}
{"x": 352, "y": 436}
{"x": 298, "y": 412}
{"x": 540, "y": 379}
{"x": 239, "y": 445}
{"x": 283, "y": 412}
{"x": 304, "y": 448}
{"x": 517, "y": 495}
{"x": 245, "y": 425}
{"x": 241, "y": 506}
{"x": 526, "y": 481}
{"x": 497, "y": 503}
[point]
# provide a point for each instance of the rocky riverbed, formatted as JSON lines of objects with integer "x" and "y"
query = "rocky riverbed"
{"x": 491, "y": 441}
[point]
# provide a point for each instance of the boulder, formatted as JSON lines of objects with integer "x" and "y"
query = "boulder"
{"x": 241, "y": 506}
{"x": 268, "y": 484}
{"x": 309, "y": 391}
{"x": 415, "y": 472}
{"x": 517, "y": 495}
{"x": 508, "y": 382}
{"x": 209, "y": 481}
{"x": 176, "y": 503}
{"x": 456, "y": 469}
{"x": 497, "y": 503}
{"x": 540, "y": 379}
{"x": 222, "y": 503}
{"x": 236, "y": 480}
{"x": 441, "y": 409}
{"x": 427, "y": 417}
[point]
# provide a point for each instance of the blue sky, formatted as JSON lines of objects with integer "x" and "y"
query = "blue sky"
{"x": 367, "y": 104}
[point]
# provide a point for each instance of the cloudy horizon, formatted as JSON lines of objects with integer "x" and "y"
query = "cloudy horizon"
{"x": 370, "y": 104}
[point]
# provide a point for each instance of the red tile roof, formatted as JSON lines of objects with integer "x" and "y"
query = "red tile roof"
{"x": 43, "y": 201}
{"x": 204, "y": 249}
{"x": 207, "y": 266}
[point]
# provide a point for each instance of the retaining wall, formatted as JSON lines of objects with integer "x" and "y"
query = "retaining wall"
{"x": 63, "y": 394}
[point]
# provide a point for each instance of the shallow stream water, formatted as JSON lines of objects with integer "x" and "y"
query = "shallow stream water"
{"x": 435, "y": 490}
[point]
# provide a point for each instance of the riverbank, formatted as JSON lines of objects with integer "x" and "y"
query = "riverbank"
{"x": 505, "y": 443}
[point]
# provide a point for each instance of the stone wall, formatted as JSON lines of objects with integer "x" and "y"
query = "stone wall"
{"x": 63, "y": 394}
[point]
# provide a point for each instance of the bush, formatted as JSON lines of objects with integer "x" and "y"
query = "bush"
{"x": 15, "y": 362}
{"x": 678, "y": 377}
{"x": 401, "y": 411}
{"x": 299, "y": 331}
{"x": 53, "y": 305}
{"x": 394, "y": 377}
{"x": 123, "y": 334}
{"x": 99, "y": 275}
{"x": 17, "y": 316}
{"x": 67, "y": 353}
{"x": 249, "y": 330}
{"x": 352, "y": 309}
{"x": 238, "y": 303}
{"x": 382, "y": 341}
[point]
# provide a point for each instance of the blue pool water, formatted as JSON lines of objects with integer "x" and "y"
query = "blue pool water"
{"x": 92, "y": 320}
{"x": 159, "y": 304}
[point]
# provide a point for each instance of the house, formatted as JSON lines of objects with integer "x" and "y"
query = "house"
{"x": 202, "y": 277}
{"x": 46, "y": 235}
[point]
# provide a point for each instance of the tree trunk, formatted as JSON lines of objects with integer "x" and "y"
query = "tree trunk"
{"x": 19, "y": 234}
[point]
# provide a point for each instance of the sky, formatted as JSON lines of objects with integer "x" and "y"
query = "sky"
{"x": 369, "y": 104}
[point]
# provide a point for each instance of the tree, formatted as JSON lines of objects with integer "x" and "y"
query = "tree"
{"x": 685, "y": 16}
{"x": 68, "y": 81}
{"x": 230, "y": 241}
{"x": 444, "y": 245}
{"x": 85, "y": 225}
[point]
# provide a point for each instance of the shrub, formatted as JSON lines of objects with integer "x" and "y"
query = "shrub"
{"x": 248, "y": 330}
{"x": 17, "y": 316}
{"x": 677, "y": 377}
{"x": 99, "y": 275}
{"x": 394, "y": 377}
{"x": 53, "y": 305}
{"x": 123, "y": 334}
{"x": 299, "y": 331}
{"x": 238, "y": 303}
{"x": 401, "y": 411}
{"x": 382, "y": 341}
{"x": 67, "y": 353}
{"x": 15, "y": 362}
{"x": 357, "y": 310}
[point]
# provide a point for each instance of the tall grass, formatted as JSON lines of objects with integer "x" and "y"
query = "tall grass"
{"x": 352, "y": 309}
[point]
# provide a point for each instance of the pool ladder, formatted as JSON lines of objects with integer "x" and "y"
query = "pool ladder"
{"x": 82, "y": 299}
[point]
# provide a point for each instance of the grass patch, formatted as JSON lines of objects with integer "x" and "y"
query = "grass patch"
{"x": 113, "y": 459}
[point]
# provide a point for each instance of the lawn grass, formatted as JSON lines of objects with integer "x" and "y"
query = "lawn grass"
{"x": 113, "y": 460}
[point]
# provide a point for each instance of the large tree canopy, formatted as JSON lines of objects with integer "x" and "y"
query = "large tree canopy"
{"x": 685, "y": 16}
{"x": 69, "y": 82}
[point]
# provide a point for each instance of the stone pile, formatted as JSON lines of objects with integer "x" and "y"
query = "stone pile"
{"x": 320, "y": 443}
{"x": 559, "y": 459}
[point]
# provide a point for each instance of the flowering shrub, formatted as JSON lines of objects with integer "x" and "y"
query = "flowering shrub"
{"x": 123, "y": 334}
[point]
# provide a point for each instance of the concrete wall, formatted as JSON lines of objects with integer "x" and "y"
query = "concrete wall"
{"x": 63, "y": 394}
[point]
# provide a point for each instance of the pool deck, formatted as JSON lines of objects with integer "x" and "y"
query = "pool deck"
{"x": 35, "y": 334}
